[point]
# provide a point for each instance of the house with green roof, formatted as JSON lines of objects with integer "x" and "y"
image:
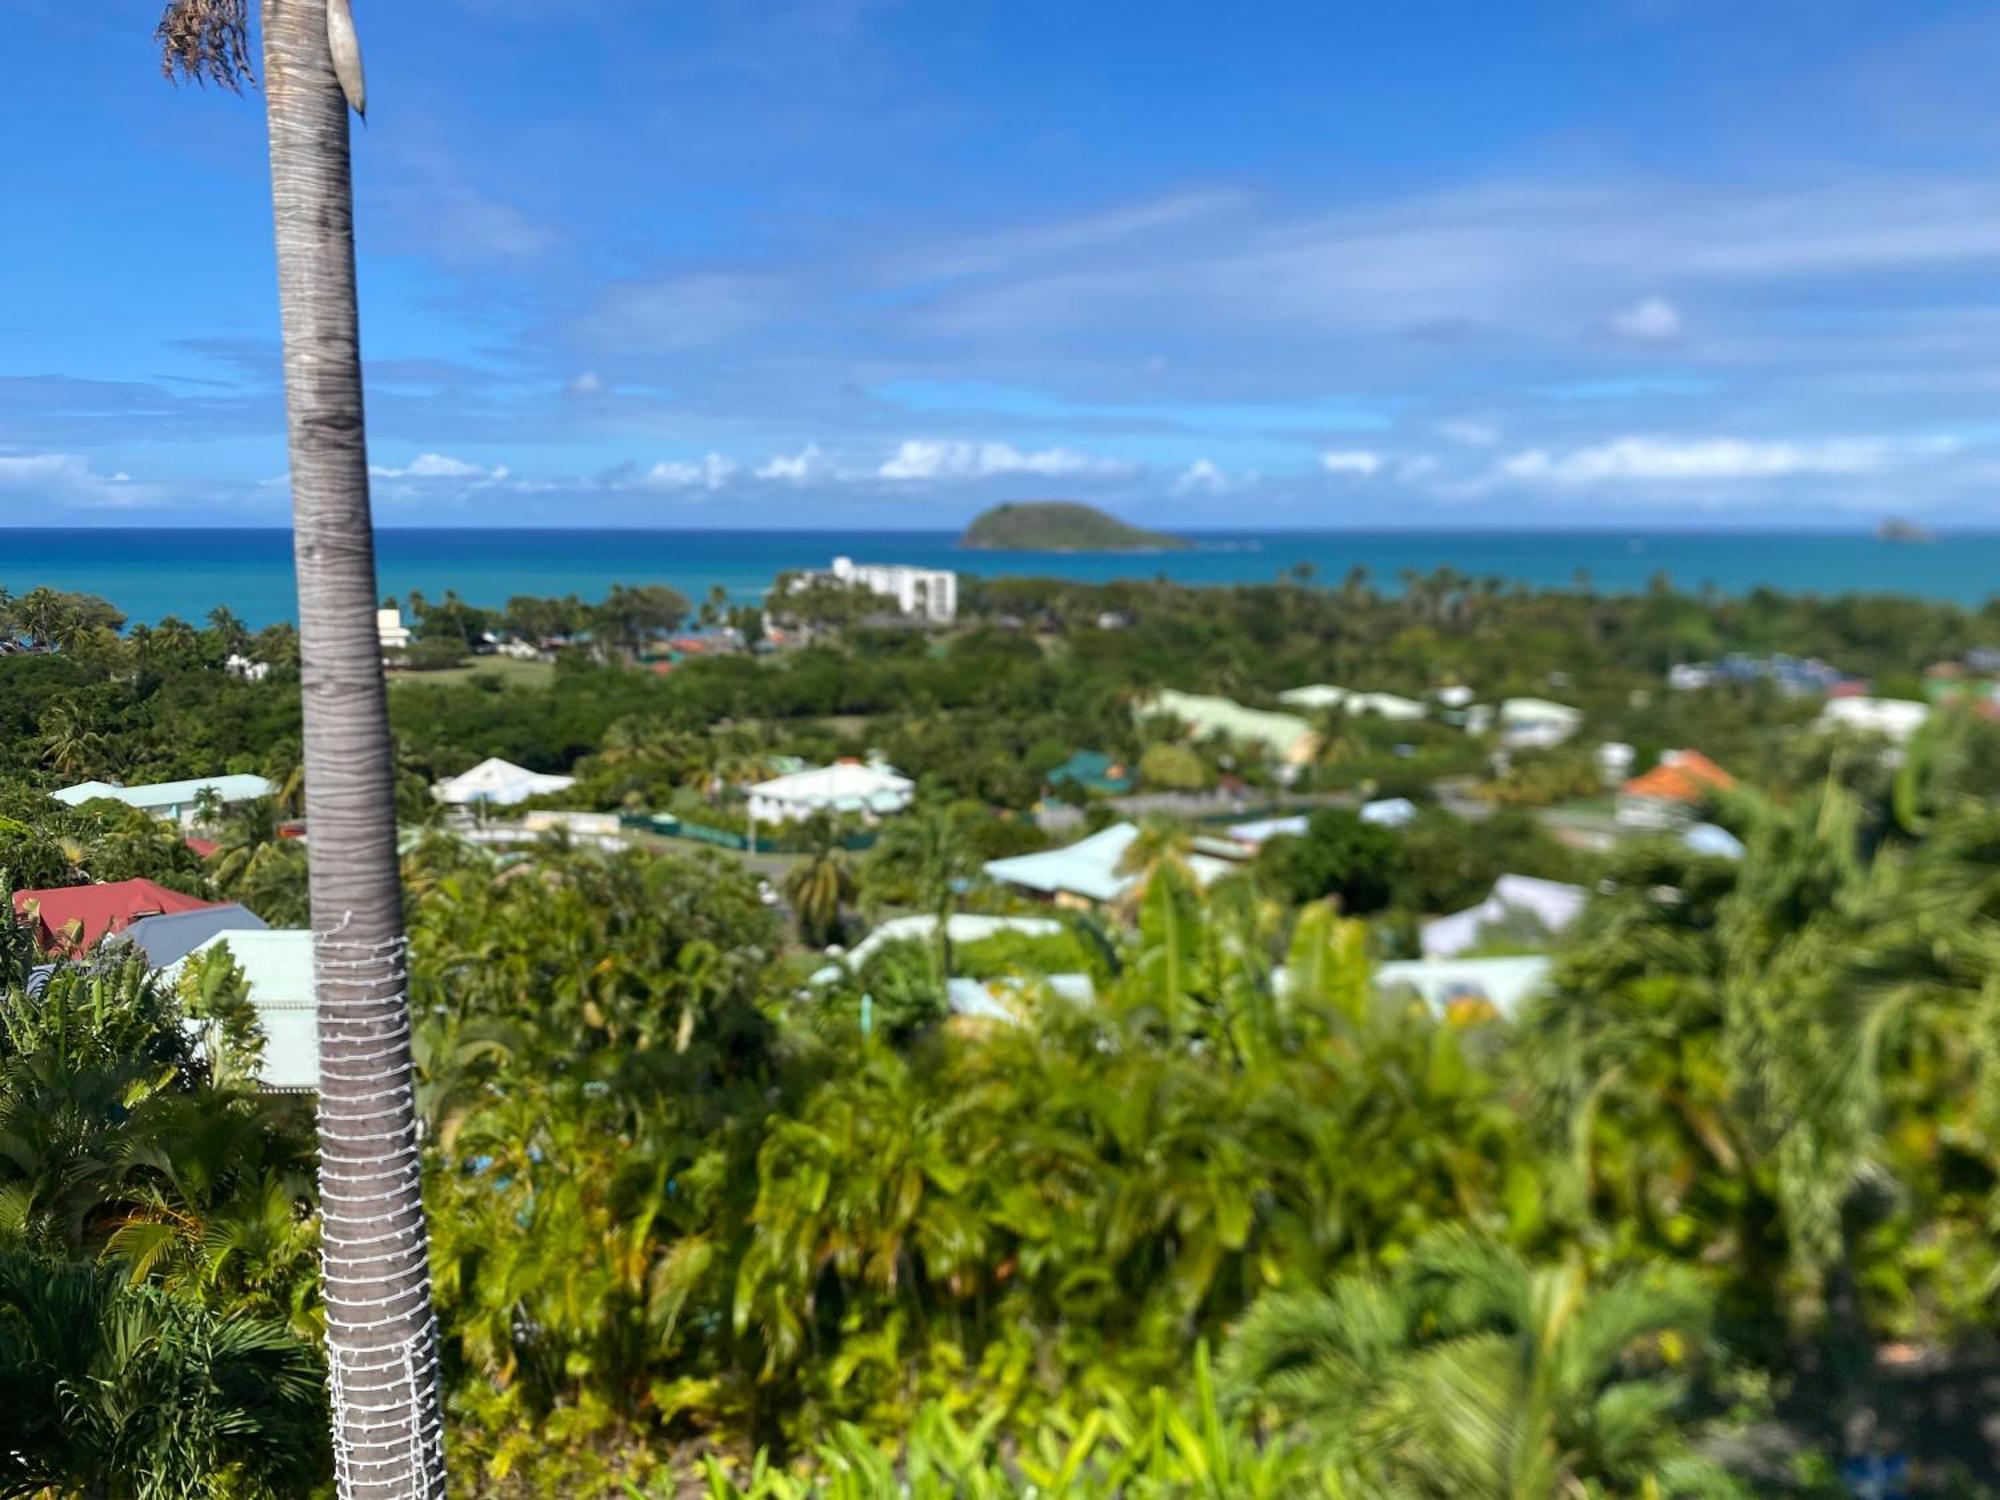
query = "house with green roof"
{"x": 1285, "y": 737}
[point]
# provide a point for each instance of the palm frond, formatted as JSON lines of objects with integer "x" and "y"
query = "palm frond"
{"x": 206, "y": 41}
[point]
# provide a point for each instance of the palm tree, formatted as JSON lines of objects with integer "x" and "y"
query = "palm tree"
{"x": 254, "y": 864}
{"x": 113, "y": 1390}
{"x": 925, "y": 853}
{"x": 175, "y": 642}
{"x": 208, "y": 805}
{"x": 230, "y": 631}
{"x": 239, "y": 836}
{"x": 43, "y": 616}
{"x": 381, "y": 1337}
{"x": 69, "y": 746}
{"x": 1159, "y": 842}
{"x": 819, "y": 887}
{"x": 1472, "y": 1375}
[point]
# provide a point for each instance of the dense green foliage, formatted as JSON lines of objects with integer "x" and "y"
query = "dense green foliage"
{"x": 1711, "y": 1213}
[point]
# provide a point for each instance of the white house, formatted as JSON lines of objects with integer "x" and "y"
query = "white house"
{"x": 847, "y": 786}
{"x": 499, "y": 783}
{"x": 390, "y": 630}
{"x": 590, "y": 830}
{"x": 1536, "y": 723}
{"x": 173, "y": 800}
{"x": 580, "y": 825}
{"x": 1321, "y": 695}
{"x": 1614, "y": 762}
{"x": 1002, "y": 999}
{"x": 1712, "y": 841}
{"x": 237, "y": 665}
{"x": 1255, "y": 834}
{"x": 278, "y": 964}
{"x": 1895, "y": 719}
{"x": 1551, "y": 903}
{"x": 961, "y": 928}
{"x": 1669, "y": 795}
{"x": 1088, "y": 871}
{"x": 1389, "y": 812}
{"x": 923, "y": 593}
{"x": 1447, "y": 984}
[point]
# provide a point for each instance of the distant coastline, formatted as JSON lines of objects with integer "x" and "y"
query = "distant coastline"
{"x": 187, "y": 571}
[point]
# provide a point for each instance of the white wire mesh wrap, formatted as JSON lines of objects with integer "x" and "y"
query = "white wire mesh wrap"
{"x": 381, "y": 1336}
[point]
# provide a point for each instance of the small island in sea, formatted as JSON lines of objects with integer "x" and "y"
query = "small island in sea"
{"x": 1060, "y": 526}
{"x": 1901, "y": 529}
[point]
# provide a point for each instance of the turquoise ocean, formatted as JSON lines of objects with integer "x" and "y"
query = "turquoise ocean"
{"x": 152, "y": 573}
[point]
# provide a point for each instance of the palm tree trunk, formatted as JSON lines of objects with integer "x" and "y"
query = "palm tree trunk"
{"x": 381, "y": 1340}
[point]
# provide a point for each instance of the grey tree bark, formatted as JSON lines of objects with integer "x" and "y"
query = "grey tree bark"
{"x": 381, "y": 1337}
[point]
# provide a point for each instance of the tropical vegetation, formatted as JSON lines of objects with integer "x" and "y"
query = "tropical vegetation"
{"x": 717, "y": 1212}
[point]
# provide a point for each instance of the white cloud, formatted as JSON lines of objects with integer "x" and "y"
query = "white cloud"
{"x": 678, "y": 313}
{"x": 69, "y": 478}
{"x": 1651, "y": 320}
{"x": 438, "y": 466}
{"x": 925, "y": 458}
{"x": 1110, "y": 229}
{"x": 711, "y": 473}
{"x": 808, "y": 463}
{"x": 1351, "y": 461}
{"x": 1713, "y": 459}
{"x": 1469, "y": 434}
{"x": 1204, "y": 477}
{"x": 586, "y": 384}
{"x": 39, "y": 468}
{"x": 435, "y": 207}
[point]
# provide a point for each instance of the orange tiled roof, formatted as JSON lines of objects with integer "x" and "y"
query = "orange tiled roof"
{"x": 1689, "y": 777}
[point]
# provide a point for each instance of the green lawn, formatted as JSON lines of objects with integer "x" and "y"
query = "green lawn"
{"x": 1590, "y": 807}
{"x": 521, "y": 674}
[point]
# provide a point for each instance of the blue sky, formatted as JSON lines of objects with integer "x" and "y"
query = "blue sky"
{"x": 881, "y": 263}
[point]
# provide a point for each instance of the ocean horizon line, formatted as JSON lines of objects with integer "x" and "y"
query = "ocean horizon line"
{"x": 1867, "y": 532}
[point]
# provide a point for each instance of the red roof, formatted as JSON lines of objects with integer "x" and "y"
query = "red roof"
{"x": 1682, "y": 776}
{"x": 76, "y": 916}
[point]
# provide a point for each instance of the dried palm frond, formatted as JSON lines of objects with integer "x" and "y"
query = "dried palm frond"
{"x": 206, "y": 41}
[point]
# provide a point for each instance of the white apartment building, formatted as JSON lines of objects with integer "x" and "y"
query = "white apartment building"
{"x": 923, "y": 593}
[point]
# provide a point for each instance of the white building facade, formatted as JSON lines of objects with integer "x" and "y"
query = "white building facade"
{"x": 499, "y": 783}
{"x": 870, "y": 791}
{"x": 921, "y": 593}
{"x": 1895, "y": 719}
{"x": 176, "y": 801}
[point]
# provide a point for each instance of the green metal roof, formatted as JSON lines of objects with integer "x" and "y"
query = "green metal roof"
{"x": 1285, "y": 735}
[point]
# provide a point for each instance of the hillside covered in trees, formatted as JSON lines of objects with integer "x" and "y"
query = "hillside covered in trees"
{"x": 1710, "y": 1215}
